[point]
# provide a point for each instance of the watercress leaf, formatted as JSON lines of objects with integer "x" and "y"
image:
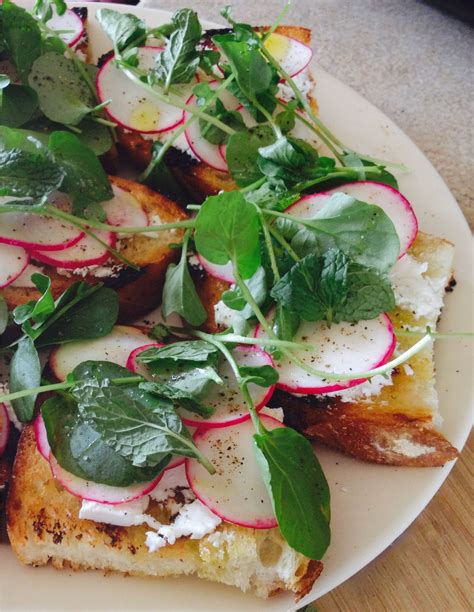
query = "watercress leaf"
{"x": 64, "y": 95}
{"x": 227, "y": 229}
{"x": 141, "y": 427}
{"x": 85, "y": 179}
{"x": 26, "y": 167}
{"x": 180, "y": 295}
{"x": 363, "y": 231}
{"x": 257, "y": 286}
{"x": 195, "y": 381}
{"x": 369, "y": 293}
{"x": 298, "y": 489}
{"x": 263, "y": 376}
{"x": 208, "y": 61}
{"x": 80, "y": 449}
{"x": 22, "y": 37}
{"x": 3, "y": 315}
{"x": 123, "y": 29}
{"x": 242, "y": 153}
{"x": 214, "y": 134}
{"x": 92, "y": 316}
{"x": 273, "y": 195}
{"x": 25, "y": 373}
{"x": 181, "y": 397}
{"x": 285, "y": 323}
{"x": 286, "y": 119}
{"x": 40, "y": 309}
{"x": 100, "y": 370}
{"x": 95, "y": 136}
{"x": 18, "y": 104}
{"x": 290, "y": 159}
{"x": 179, "y": 60}
{"x": 195, "y": 351}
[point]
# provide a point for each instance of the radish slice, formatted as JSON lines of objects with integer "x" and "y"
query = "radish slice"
{"x": 124, "y": 210}
{"x": 86, "y": 252}
{"x": 293, "y": 55}
{"x": 204, "y": 150}
{"x": 71, "y": 23}
{"x": 4, "y": 428}
{"x": 14, "y": 261}
{"x": 222, "y": 272}
{"x": 101, "y": 493}
{"x": 130, "y": 105}
{"x": 132, "y": 363}
{"x": 236, "y": 492}
{"x": 178, "y": 460}
{"x": 343, "y": 347}
{"x": 37, "y": 232}
{"x": 230, "y": 407}
{"x": 41, "y": 436}
{"x": 114, "y": 347}
{"x": 391, "y": 201}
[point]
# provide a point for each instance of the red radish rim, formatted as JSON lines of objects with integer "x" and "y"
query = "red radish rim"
{"x": 300, "y": 390}
{"x": 77, "y": 38}
{"x": 208, "y": 267}
{"x": 13, "y": 278}
{"x": 245, "y": 417}
{"x": 259, "y": 524}
{"x": 131, "y": 363}
{"x": 41, "y": 437}
{"x": 48, "y": 247}
{"x": 5, "y": 431}
{"x": 147, "y": 487}
{"x": 71, "y": 264}
{"x": 118, "y": 121}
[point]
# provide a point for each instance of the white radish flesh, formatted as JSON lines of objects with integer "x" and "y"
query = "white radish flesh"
{"x": 69, "y": 24}
{"x": 101, "y": 493}
{"x": 236, "y": 492}
{"x": 86, "y": 252}
{"x": 115, "y": 347}
{"x": 227, "y": 400}
{"x": 342, "y": 348}
{"x": 13, "y": 262}
{"x": 124, "y": 210}
{"x": 37, "y": 232}
{"x": 41, "y": 437}
{"x": 293, "y": 55}
{"x": 224, "y": 272}
{"x": 4, "y": 428}
{"x": 131, "y": 106}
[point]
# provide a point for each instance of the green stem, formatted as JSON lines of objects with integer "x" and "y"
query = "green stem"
{"x": 269, "y": 244}
{"x": 279, "y": 238}
{"x": 436, "y": 335}
{"x": 253, "y": 186}
{"x": 236, "y": 338}
{"x": 277, "y": 21}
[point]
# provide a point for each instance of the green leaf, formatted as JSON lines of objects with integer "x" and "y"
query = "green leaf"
{"x": 79, "y": 448}
{"x": 25, "y": 373}
{"x": 95, "y": 136}
{"x": 3, "y": 315}
{"x": 286, "y": 120}
{"x": 181, "y": 397}
{"x": 257, "y": 286}
{"x": 285, "y": 323}
{"x": 22, "y": 37}
{"x": 273, "y": 195}
{"x": 100, "y": 370}
{"x": 227, "y": 229}
{"x": 263, "y": 376}
{"x": 233, "y": 119}
{"x": 298, "y": 489}
{"x": 26, "y": 167}
{"x": 195, "y": 351}
{"x": 64, "y": 95}
{"x": 123, "y": 29}
{"x": 159, "y": 177}
{"x": 85, "y": 180}
{"x": 139, "y": 426}
{"x": 159, "y": 332}
{"x": 179, "y": 293}
{"x": 179, "y": 60}
{"x": 242, "y": 153}
{"x": 37, "y": 310}
{"x": 290, "y": 159}
{"x": 18, "y": 104}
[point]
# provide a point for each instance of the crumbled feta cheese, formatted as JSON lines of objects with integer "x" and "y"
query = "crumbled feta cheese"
{"x": 304, "y": 83}
{"x": 219, "y": 538}
{"x": 414, "y": 290}
{"x": 194, "y": 520}
{"x": 122, "y": 515}
{"x": 4, "y": 390}
{"x": 364, "y": 391}
{"x": 223, "y": 315}
{"x": 106, "y": 271}
{"x": 194, "y": 261}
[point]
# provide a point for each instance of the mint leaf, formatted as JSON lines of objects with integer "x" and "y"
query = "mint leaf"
{"x": 25, "y": 373}
{"x": 22, "y": 38}
{"x": 285, "y": 323}
{"x": 298, "y": 489}
{"x": 242, "y": 153}
{"x": 180, "y": 397}
{"x": 227, "y": 229}
{"x": 194, "y": 351}
{"x": 85, "y": 180}
{"x": 123, "y": 29}
{"x": 179, "y": 60}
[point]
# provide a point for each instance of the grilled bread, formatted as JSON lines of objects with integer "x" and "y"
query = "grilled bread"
{"x": 43, "y": 526}
{"x": 396, "y": 426}
{"x": 199, "y": 179}
{"x": 138, "y": 291}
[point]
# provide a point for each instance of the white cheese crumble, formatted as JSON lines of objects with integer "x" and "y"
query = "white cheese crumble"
{"x": 363, "y": 391}
{"x": 223, "y": 315}
{"x": 414, "y": 290}
{"x": 4, "y": 390}
{"x": 194, "y": 261}
{"x": 194, "y": 520}
{"x": 105, "y": 271}
{"x": 122, "y": 515}
{"x": 304, "y": 83}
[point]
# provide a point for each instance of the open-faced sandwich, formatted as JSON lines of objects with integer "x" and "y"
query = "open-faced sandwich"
{"x": 298, "y": 299}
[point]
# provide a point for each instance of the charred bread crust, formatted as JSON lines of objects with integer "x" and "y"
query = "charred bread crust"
{"x": 139, "y": 291}
{"x": 43, "y": 527}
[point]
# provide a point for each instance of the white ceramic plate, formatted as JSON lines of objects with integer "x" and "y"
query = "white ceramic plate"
{"x": 371, "y": 505}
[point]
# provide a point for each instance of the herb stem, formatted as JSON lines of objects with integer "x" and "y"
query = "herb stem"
{"x": 269, "y": 244}
{"x": 284, "y": 243}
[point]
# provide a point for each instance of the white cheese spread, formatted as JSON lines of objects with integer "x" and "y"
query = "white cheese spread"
{"x": 122, "y": 515}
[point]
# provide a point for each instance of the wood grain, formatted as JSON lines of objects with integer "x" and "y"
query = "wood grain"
{"x": 430, "y": 567}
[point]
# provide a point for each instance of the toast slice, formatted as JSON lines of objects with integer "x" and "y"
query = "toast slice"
{"x": 395, "y": 426}
{"x": 139, "y": 291}
{"x": 199, "y": 179}
{"x": 43, "y": 526}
